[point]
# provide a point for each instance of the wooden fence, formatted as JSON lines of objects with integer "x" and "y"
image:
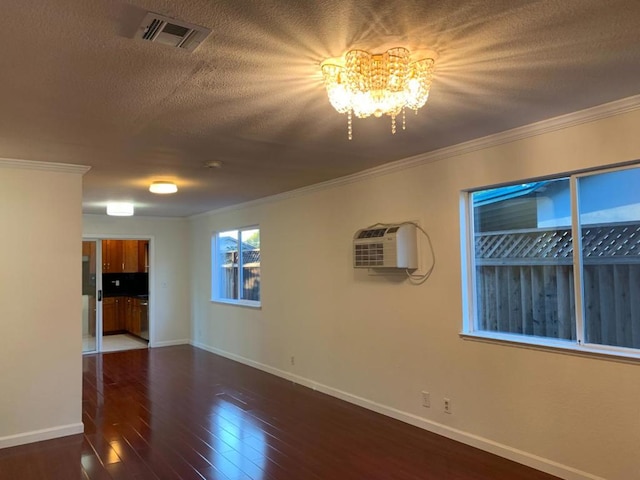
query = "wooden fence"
{"x": 535, "y": 296}
{"x": 250, "y": 279}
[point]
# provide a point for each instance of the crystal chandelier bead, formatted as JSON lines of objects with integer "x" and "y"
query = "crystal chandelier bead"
{"x": 378, "y": 84}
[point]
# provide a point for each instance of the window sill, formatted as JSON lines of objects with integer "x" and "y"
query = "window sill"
{"x": 601, "y": 352}
{"x": 238, "y": 303}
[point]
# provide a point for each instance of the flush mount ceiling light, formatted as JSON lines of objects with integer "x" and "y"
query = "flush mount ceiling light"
{"x": 377, "y": 84}
{"x": 120, "y": 209}
{"x": 163, "y": 187}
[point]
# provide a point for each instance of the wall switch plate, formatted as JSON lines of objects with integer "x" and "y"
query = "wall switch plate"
{"x": 426, "y": 399}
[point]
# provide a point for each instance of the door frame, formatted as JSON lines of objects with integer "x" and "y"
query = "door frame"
{"x": 152, "y": 282}
{"x": 98, "y": 315}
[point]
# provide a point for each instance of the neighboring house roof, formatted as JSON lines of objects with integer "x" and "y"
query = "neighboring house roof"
{"x": 230, "y": 244}
{"x": 613, "y": 243}
{"x": 494, "y": 195}
{"x": 250, "y": 253}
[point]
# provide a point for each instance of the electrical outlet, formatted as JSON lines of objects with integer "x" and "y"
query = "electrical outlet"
{"x": 293, "y": 360}
{"x": 447, "y": 405}
{"x": 426, "y": 399}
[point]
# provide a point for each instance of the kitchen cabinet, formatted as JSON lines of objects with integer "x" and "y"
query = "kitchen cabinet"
{"x": 143, "y": 256}
{"x": 133, "y": 323}
{"x": 109, "y": 315}
{"x": 112, "y": 256}
{"x": 129, "y": 256}
{"x": 124, "y": 256}
{"x": 113, "y": 315}
{"x": 122, "y": 314}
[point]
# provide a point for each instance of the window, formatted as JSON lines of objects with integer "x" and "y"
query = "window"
{"x": 526, "y": 283}
{"x": 236, "y": 266}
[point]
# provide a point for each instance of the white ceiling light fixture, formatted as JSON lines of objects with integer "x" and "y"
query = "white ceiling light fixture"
{"x": 378, "y": 84}
{"x": 163, "y": 187}
{"x": 120, "y": 209}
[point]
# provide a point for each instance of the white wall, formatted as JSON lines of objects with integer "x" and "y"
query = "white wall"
{"x": 169, "y": 273}
{"x": 379, "y": 342}
{"x": 40, "y": 303}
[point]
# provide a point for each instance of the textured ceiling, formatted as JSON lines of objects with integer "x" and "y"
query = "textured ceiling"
{"x": 78, "y": 88}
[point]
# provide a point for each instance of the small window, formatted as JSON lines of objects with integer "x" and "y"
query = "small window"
{"x": 236, "y": 266}
{"x": 528, "y": 285}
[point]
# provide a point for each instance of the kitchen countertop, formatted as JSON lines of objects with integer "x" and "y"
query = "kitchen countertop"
{"x": 111, "y": 295}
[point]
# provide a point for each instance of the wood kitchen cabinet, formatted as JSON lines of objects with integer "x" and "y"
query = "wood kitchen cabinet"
{"x": 112, "y": 251}
{"x": 109, "y": 315}
{"x": 129, "y": 256}
{"x": 124, "y": 256}
{"x": 114, "y": 315}
{"x": 133, "y": 323}
{"x": 143, "y": 256}
{"x": 122, "y": 314}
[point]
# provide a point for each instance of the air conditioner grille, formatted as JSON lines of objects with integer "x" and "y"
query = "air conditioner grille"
{"x": 150, "y": 31}
{"x": 168, "y": 31}
{"x": 372, "y": 233}
{"x": 177, "y": 30}
{"x": 369, "y": 255}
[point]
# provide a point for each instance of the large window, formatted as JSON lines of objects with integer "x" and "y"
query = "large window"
{"x": 557, "y": 262}
{"x": 236, "y": 266}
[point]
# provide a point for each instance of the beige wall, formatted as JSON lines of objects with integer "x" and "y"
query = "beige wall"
{"x": 379, "y": 341}
{"x": 168, "y": 276}
{"x": 40, "y": 304}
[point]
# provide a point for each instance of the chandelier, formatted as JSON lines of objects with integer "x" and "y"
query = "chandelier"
{"x": 378, "y": 84}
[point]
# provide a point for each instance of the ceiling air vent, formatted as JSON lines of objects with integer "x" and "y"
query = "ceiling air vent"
{"x": 175, "y": 33}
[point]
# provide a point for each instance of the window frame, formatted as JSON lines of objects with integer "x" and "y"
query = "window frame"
{"x": 215, "y": 269}
{"x": 470, "y": 320}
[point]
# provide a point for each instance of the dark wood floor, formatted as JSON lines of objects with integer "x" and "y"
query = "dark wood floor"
{"x": 180, "y": 412}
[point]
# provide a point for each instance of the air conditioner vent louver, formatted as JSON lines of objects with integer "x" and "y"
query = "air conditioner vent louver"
{"x": 152, "y": 29}
{"x": 394, "y": 246}
{"x": 168, "y": 31}
{"x": 369, "y": 255}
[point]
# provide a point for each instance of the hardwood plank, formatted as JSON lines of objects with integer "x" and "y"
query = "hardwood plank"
{"x": 183, "y": 413}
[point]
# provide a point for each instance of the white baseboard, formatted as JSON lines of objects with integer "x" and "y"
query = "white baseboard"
{"x": 171, "y": 343}
{"x": 40, "y": 435}
{"x": 505, "y": 451}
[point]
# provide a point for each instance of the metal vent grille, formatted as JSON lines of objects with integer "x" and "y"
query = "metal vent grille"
{"x": 174, "y": 33}
{"x": 373, "y": 233}
{"x": 369, "y": 255}
{"x": 152, "y": 30}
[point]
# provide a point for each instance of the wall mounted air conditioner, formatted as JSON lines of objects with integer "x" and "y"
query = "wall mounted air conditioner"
{"x": 389, "y": 246}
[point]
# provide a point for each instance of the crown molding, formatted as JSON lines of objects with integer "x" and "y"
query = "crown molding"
{"x": 43, "y": 166}
{"x": 561, "y": 122}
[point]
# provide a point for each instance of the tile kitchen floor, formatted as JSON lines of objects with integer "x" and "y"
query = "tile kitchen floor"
{"x": 115, "y": 343}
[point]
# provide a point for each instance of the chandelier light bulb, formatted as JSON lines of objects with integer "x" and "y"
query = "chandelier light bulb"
{"x": 377, "y": 84}
{"x": 163, "y": 187}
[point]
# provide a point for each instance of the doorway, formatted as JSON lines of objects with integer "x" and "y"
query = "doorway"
{"x": 115, "y": 294}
